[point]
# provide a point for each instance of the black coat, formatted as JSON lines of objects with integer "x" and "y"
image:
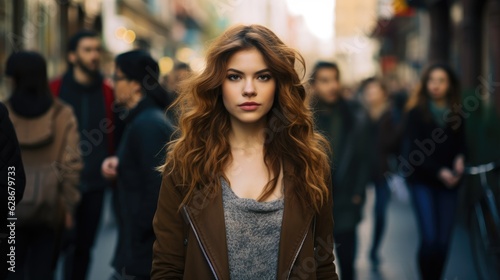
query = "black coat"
{"x": 10, "y": 161}
{"x": 98, "y": 123}
{"x": 350, "y": 167}
{"x": 429, "y": 147}
{"x": 10, "y": 156}
{"x": 385, "y": 136}
{"x": 141, "y": 151}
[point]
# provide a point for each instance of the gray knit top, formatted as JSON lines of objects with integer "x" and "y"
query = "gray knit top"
{"x": 253, "y": 235}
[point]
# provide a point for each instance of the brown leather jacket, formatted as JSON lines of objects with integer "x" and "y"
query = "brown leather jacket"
{"x": 191, "y": 243}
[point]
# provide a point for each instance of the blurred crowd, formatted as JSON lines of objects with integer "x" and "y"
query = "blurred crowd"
{"x": 81, "y": 134}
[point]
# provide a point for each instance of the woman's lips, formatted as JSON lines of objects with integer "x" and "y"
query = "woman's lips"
{"x": 249, "y": 106}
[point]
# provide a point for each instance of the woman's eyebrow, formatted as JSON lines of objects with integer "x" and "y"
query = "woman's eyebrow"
{"x": 240, "y": 72}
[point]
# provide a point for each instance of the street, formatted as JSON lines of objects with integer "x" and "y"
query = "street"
{"x": 398, "y": 249}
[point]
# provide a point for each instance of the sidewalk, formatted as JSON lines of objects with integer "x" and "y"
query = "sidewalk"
{"x": 400, "y": 244}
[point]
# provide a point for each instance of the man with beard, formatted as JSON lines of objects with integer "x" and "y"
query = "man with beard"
{"x": 343, "y": 122}
{"x": 84, "y": 88}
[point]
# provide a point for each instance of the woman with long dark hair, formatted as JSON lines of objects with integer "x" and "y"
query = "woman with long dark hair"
{"x": 48, "y": 136}
{"x": 246, "y": 191}
{"x": 435, "y": 148}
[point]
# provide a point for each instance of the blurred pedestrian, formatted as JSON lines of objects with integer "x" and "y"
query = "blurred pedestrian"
{"x": 48, "y": 136}
{"x": 181, "y": 72}
{"x": 84, "y": 88}
{"x": 141, "y": 151}
{"x": 385, "y": 132}
{"x": 435, "y": 138}
{"x": 344, "y": 124}
{"x": 11, "y": 166}
{"x": 246, "y": 188}
{"x": 398, "y": 96}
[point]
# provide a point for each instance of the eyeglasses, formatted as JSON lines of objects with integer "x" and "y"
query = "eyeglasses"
{"x": 118, "y": 78}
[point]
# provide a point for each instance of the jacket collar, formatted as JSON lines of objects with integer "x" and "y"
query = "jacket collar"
{"x": 207, "y": 216}
{"x": 144, "y": 104}
{"x": 69, "y": 80}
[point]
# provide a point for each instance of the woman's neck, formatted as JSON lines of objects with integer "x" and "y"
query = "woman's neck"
{"x": 377, "y": 110}
{"x": 440, "y": 103}
{"x": 247, "y": 136}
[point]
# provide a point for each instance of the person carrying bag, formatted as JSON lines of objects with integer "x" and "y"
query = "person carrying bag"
{"x": 48, "y": 136}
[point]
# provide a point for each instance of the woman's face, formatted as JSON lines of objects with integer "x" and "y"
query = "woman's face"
{"x": 438, "y": 84}
{"x": 248, "y": 89}
{"x": 374, "y": 94}
{"x": 126, "y": 91}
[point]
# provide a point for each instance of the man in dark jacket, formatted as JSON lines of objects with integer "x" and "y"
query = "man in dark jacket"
{"x": 84, "y": 88}
{"x": 343, "y": 123}
{"x": 11, "y": 170}
{"x": 141, "y": 151}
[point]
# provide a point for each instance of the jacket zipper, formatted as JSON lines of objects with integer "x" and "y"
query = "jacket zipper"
{"x": 297, "y": 254}
{"x": 199, "y": 242}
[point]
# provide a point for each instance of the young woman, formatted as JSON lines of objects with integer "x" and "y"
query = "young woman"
{"x": 435, "y": 147}
{"x": 384, "y": 133}
{"x": 48, "y": 136}
{"x": 246, "y": 190}
{"x": 140, "y": 152}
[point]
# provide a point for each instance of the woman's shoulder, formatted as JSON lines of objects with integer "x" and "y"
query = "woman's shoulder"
{"x": 153, "y": 114}
{"x": 3, "y": 111}
{"x": 152, "y": 118}
{"x": 62, "y": 108}
{"x": 415, "y": 114}
{"x": 415, "y": 110}
{"x": 64, "y": 113}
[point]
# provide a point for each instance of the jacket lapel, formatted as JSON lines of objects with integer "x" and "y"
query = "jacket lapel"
{"x": 296, "y": 222}
{"x": 207, "y": 216}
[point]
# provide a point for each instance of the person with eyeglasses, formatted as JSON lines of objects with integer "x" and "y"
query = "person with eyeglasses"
{"x": 141, "y": 151}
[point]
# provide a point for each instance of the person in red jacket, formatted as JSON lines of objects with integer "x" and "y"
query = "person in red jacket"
{"x": 84, "y": 88}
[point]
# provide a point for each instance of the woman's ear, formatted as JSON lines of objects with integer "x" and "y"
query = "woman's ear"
{"x": 136, "y": 87}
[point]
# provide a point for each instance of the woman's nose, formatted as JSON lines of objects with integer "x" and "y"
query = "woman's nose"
{"x": 249, "y": 89}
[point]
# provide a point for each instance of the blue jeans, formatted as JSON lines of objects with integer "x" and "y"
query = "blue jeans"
{"x": 435, "y": 210}
{"x": 382, "y": 198}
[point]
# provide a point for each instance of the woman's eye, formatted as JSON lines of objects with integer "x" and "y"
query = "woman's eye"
{"x": 266, "y": 77}
{"x": 233, "y": 77}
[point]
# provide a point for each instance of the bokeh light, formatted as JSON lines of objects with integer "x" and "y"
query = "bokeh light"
{"x": 166, "y": 65}
{"x": 318, "y": 15}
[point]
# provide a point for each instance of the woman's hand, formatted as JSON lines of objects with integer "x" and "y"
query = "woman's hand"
{"x": 109, "y": 167}
{"x": 68, "y": 221}
{"x": 448, "y": 178}
{"x": 458, "y": 165}
{"x": 356, "y": 199}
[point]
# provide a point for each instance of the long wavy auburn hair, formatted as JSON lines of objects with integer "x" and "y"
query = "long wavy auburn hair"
{"x": 198, "y": 157}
